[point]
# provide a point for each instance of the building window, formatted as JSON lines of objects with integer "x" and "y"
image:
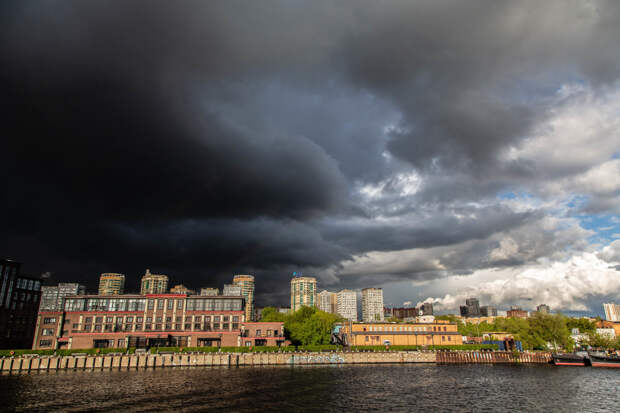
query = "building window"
{"x": 87, "y": 327}
{"x": 196, "y": 326}
{"x": 179, "y": 304}
{"x": 88, "y": 320}
{"x": 449, "y": 338}
{"x": 139, "y": 319}
{"x": 49, "y": 320}
{"x": 45, "y": 343}
{"x": 74, "y": 326}
{"x": 160, "y": 304}
{"x": 258, "y": 332}
{"x": 168, "y": 327}
{"x": 168, "y": 319}
{"x": 235, "y": 318}
{"x": 216, "y": 326}
{"x": 170, "y": 304}
{"x": 177, "y": 326}
{"x": 99, "y": 320}
{"x": 151, "y": 304}
{"x": 157, "y": 327}
{"x": 121, "y": 342}
{"x": 47, "y": 332}
{"x": 158, "y": 319}
{"x": 178, "y": 319}
{"x": 443, "y": 338}
{"x": 188, "y": 326}
{"x": 97, "y": 327}
{"x": 149, "y": 319}
{"x": 225, "y": 326}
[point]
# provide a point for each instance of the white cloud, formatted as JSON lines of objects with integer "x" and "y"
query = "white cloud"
{"x": 562, "y": 285}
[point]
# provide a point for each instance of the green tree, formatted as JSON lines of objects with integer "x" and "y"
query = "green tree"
{"x": 308, "y": 326}
{"x": 272, "y": 314}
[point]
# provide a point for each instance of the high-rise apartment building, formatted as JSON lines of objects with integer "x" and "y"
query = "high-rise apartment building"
{"x": 543, "y": 309}
{"x": 426, "y": 309}
{"x": 471, "y": 308}
{"x": 303, "y": 292}
{"x": 372, "y": 304}
{"x": 488, "y": 311}
{"x": 111, "y": 283}
{"x": 52, "y": 296}
{"x": 153, "y": 283}
{"x": 19, "y": 301}
{"x": 231, "y": 290}
{"x": 209, "y": 292}
{"x": 326, "y": 301}
{"x": 612, "y": 312}
{"x": 246, "y": 282}
{"x": 346, "y": 304}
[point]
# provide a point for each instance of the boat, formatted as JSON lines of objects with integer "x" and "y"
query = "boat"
{"x": 604, "y": 360}
{"x": 568, "y": 359}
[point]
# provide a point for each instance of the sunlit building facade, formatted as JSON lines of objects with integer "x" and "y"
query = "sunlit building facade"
{"x": 303, "y": 292}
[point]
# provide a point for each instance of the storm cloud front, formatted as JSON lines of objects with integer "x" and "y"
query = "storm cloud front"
{"x": 435, "y": 149}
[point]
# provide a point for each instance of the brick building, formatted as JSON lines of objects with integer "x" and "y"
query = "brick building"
{"x": 516, "y": 312}
{"x": 151, "y": 320}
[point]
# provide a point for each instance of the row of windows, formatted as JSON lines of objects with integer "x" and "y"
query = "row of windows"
{"x": 158, "y": 327}
{"x": 405, "y": 328}
{"x": 139, "y": 304}
{"x": 376, "y": 338}
{"x": 26, "y": 284}
{"x": 139, "y": 319}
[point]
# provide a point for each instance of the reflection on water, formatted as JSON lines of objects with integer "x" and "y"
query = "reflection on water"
{"x": 380, "y": 388}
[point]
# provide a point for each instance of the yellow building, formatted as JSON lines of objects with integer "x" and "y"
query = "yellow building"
{"x": 153, "y": 283}
{"x": 303, "y": 292}
{"x": 111, "y": 283}
{"x": 396, "y": 334}
{"x": 246, "y": 282}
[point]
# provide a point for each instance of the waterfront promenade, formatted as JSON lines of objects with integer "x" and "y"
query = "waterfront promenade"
{"x": 28, "y": 363}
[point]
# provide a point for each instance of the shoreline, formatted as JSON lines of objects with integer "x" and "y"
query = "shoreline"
{"x": 29, "y": 363}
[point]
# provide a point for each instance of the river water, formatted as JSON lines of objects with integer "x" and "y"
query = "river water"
{"x": 338, "y": 388}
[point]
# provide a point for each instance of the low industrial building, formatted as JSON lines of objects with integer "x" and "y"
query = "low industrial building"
{"x": 152, "y": 320}
{"x": 401, "y": 334}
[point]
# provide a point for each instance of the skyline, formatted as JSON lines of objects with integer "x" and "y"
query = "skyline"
{"x": 437, "y": 151}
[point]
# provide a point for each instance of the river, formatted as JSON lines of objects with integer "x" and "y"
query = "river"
{"x": 337, "y": 388}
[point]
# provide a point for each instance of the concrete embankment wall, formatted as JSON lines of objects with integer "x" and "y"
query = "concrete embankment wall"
{"x": 134, "y": 361}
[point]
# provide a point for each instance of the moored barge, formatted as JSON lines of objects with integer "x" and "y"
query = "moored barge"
{"x": 568, "y": 359}
{"x": 604, "y": 360}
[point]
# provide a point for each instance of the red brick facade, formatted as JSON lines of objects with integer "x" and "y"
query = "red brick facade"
{"x": 152, "y": 320}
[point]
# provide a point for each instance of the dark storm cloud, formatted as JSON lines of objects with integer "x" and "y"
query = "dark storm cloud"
{"x": 208, "y": 138}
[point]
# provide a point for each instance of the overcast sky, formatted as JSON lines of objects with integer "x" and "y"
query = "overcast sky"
{"x": 436, "y": 149}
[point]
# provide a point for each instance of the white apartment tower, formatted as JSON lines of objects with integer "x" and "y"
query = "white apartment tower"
{"x": 346, "y": 304}
{"x": 372, "y": 304}
{"x": 326, "y": 301}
